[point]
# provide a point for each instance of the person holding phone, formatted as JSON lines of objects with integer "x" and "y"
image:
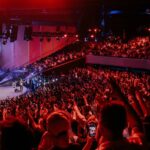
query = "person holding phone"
{"x": 92, "y": 129}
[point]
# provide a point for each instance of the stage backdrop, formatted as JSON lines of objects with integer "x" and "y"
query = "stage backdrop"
{"x": 20, "y": 52}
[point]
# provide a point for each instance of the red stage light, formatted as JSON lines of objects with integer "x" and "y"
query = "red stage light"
{"x": 65, "y": 35}
{"x": 95, "y": 30}
{"x": 92, "y": 36}
{"x": 77, "y": 36}
{"x": 89, "y": 30}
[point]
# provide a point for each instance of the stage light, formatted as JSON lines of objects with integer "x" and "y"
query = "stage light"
{"x": 13, "y": 33}
{"x": 65, "y": 36}
{"x": 7, "y": 31}
{"x": 115, "y": 12}
{"x": 28, "y": 33}
{"x": 5, "y": 35}
{"x": 90, "y": 30}
{"x": 92, "y": 36}
{"x": 76, "y": 35}
{"x": 95, "y": 30}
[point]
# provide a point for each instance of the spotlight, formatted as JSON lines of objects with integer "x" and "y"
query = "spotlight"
{"x": 7, "y": 31}
{"x": 92, "y": 36}
{"x": 90, "y": 30}
{"x": 76, "y": 35}
{"x": 95, "y": 30}
{"x": 28, "y": 33}
{"x": 13, "y": 33}
{"x": 53, "y": 80}
{"x": 65, "y": 35}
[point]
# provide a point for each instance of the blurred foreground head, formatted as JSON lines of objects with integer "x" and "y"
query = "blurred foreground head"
{"x": 15, "y": 134}
{"x": 113, "y": 119}
{"x": 58, "y": 125}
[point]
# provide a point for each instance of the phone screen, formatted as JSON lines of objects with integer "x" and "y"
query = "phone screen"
{"x": 92, "y": 130}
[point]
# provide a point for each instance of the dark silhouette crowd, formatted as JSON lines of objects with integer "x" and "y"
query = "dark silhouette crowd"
{"x": 85, "y": 108}
{"x": 57, "y": 115}
{"x": 138, "y": 47}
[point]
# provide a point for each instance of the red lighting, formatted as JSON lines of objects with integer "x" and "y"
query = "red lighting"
{"x": 90, "y": 30}
{"x": 95, "y": 30}
{"x": 92, "y": 36}
{"x": 77, "y": 35}
{"x": 65, "y": 35}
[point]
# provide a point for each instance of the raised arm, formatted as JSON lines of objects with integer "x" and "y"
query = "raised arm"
{"x": 133, "y": 118}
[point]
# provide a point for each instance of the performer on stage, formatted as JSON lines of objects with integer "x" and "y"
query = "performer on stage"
{"x": 21, "y": 85}
{"x": 14, "y": 84}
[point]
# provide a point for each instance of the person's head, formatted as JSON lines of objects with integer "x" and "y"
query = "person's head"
{"x": 113, "y": 120}
{"x": 58, "y": 125}
{"x": 92, "y": 119}
{"x": 15, "y": 134}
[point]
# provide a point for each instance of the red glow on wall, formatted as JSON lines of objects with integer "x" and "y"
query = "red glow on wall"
{"x": 52, "y": 4}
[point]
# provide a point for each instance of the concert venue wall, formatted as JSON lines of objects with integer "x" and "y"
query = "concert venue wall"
{"x": 20, "y": 52}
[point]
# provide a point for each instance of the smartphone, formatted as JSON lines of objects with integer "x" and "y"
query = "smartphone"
{"x": 92, "y": 129}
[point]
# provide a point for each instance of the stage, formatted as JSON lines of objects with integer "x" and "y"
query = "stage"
{"x": 9, "y": 91}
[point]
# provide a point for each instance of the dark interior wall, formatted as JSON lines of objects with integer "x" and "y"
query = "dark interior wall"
{"x": 20, "y": 52}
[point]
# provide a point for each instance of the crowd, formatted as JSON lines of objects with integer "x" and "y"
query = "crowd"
{"x": 112, "y": 46}
{"x": 70, "y": 52}
{"x": 86, "y": 108}
{"x": 64, "y": 114}
{"x": 138, "y": 47}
